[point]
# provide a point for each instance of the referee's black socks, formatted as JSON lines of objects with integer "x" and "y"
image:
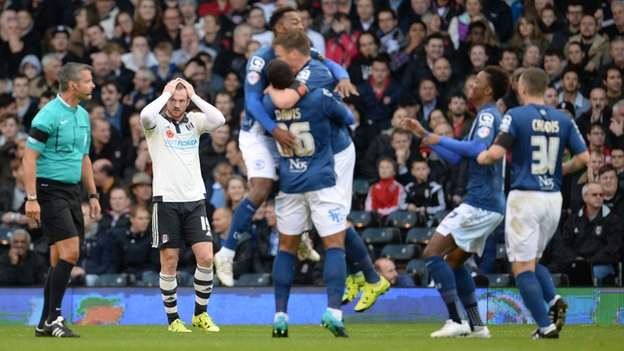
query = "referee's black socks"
{"x": 46, "y": 298}
{"x": 58, "y": 283}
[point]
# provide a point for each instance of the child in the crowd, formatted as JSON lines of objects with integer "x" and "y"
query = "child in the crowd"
{"x": 424, "y": 196}
{"x": 165, "y": 69}
{"x": 386, "y": 195}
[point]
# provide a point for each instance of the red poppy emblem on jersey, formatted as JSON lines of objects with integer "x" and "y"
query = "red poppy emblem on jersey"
{"x": 169, "y": 133}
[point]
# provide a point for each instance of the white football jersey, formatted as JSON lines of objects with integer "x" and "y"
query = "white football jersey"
{"x": 174, "y": 149}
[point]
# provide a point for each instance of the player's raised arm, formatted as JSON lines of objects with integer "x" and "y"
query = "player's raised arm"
{"x": 344, "y": 87}
{"x": 213, "y": 118}
{"x": 150, "y": 112}
{"x": 444, "y": 144}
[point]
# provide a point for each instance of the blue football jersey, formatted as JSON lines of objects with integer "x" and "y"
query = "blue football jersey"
{"x": 309, "y": 166}
{"x": 485, "y": 187}
{"x": 256, "y": 81}
{"x": 540, "y": 136}
{"x": 315, "y": 75}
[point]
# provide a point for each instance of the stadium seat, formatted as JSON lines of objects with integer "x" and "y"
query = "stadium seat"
{"x": 499, "y": 280}
{"x": 560, "y": 279}
{"x": 417, "y": 268}
{"x": 399, "y": 252}
{"x": 110, "y": 280}
{"x": 362, "y": 219}
{"x": 380, "y": 235}
{"x": 254, "y": 279}
{"x": 419, "y": 235}
{"x": 501, "y": 252}
{"x": 438, "y": 217}
{"x": 360, "y": 187}
{"x": 402, "y": 219}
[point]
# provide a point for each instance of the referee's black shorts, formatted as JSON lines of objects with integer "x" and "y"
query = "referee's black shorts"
{"x": 177, "y": 223}
{"x": 61, "y": 215}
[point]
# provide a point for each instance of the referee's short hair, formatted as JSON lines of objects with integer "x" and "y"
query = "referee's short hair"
{"x": 70, "y": 72}
{"x": 498, "y": 80}
{"x": 535, "y": 80}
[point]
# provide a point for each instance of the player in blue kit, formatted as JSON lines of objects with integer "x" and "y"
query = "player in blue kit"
{"x": 463, "y": 232}
{"x": 255, "y": 139}
{"x": 308, "y": 195}
{"x": 294, "y": 48}
{"x": 537, "y": 136}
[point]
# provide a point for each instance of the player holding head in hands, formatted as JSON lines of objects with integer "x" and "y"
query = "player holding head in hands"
{"x": 56, "y": 160}
{"x": 537, "y": 136}
{"x": 463, "y": 232}
{"x": 179, "y": 214}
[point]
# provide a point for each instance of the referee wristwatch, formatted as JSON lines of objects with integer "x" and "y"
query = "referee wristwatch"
{"x": 94, "y": 196}
{"x": 31, "y": 197}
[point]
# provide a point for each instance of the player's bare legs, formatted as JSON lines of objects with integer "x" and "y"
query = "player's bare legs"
{"x": 443, "y": 275}
{"x": 259, "y": 191}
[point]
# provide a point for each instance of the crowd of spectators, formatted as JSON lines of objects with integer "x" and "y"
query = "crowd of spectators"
{"x": 408, "y": 58}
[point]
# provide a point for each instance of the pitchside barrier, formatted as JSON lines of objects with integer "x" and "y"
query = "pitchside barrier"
{"x": 230, "y": 306}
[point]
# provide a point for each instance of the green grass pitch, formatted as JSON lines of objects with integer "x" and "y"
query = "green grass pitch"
{"x": 364, "y": 337}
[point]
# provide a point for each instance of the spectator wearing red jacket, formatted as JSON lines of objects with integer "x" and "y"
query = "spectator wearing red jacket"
{"x": 386, "y": 195}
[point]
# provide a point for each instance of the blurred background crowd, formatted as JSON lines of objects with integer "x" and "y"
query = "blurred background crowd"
{"x": 408, "y": 58}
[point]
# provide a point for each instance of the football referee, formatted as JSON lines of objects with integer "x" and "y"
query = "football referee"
{"x": 55, "y": 161}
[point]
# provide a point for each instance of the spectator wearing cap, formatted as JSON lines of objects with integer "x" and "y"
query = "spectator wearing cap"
{"x": 380, "y": 95}
{"x": 141, "y": 188}
{"x": 593, "y": 235}
{"x": 30, "y": 66}
{"x": 21, "y": 266}
{"x": 170, "y": 31}
{"x": 25, "y": 104}
{"x": 58, "y": 43}
{"x": 598, "y": 113}
{"x": 571, "y": 92}
{"x": 49, "y": 80}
